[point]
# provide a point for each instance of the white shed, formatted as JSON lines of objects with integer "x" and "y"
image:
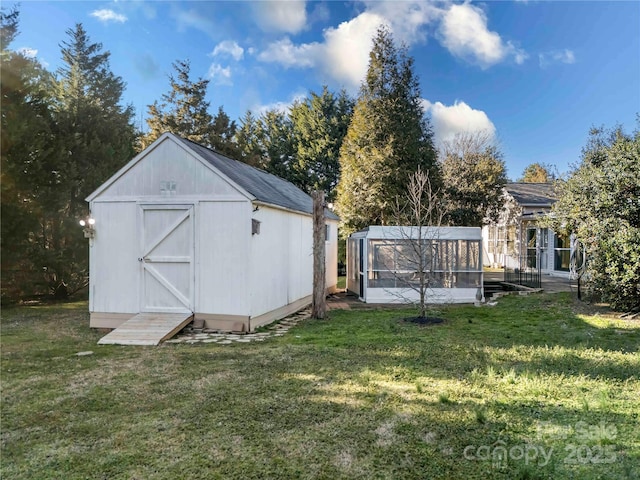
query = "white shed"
{"x": 183, "y": 229}
{"x": 382, "y": 264}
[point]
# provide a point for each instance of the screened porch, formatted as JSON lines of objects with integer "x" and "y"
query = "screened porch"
{"x": 392, "y": 264}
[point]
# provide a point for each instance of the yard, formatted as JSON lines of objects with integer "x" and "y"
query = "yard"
{"x": 531, "y": 388}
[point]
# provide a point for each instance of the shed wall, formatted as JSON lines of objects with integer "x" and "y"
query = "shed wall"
{"x": 222, "y": 260}
{"x": 281, "y": 267}
{"x": 115, "y": 273}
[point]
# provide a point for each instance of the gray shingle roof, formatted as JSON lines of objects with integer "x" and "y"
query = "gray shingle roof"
{"x": 532, "y": 194}
{"x": 264, "y": 186}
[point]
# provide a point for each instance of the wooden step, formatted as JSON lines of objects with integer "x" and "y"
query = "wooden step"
{"x": 147, "y": 329}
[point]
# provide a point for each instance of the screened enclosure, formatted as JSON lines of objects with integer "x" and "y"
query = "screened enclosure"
{"x": 393, "y": 264}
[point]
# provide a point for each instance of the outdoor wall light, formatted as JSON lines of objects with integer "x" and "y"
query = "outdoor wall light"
{"x": 88, "y": 226}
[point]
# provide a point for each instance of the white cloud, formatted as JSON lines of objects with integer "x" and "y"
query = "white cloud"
{"x": 220, "y": 75}
{"x": 106, "y": 15}
{"x": 230, "y": 48}
{"x": 280, "y": 106}
{"x": 448, "y": 120}
{"x": 344, "y": 54}
{"x": 464, "y": 32}
{"x": 27, "y": 52}
{"x": 407, "y": 19}
{"x": 556, "y": 56}
{"x": 287, "y": 54}
{"x": 281, "y": 16}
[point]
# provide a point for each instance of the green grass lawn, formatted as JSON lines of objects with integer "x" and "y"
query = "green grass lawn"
{"x": 527, "y": 389}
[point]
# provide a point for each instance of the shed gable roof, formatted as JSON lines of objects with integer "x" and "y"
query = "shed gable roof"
{"x": 264, "y": 186}
{"x": 532, "y": 194}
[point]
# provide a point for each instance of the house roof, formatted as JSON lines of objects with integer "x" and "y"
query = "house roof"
{"x": 264, "y": 186}
{"x": 532, "y": 194}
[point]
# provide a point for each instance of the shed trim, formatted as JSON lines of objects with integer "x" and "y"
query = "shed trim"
{"x": 289, "y": 210}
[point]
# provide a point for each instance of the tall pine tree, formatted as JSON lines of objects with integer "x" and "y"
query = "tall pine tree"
{"x": 320, "y": 124}
{"x": 247, "y": 139}
{"x": 96, "y": 136}
{"x": 96, "y": 130}
{"x": 275, "y": 134}
{"x": 388, "y": 139}
{"x": 183, "y": 111}
{"x": 62, "y": 138}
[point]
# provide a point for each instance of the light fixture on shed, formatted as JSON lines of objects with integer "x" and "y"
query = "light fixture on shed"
{"x": 88, "y": 227}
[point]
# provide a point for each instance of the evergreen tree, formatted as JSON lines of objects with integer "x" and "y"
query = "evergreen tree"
{"x": 388, "y": 139}
{"x": 27, "y": 164}
{"x": 96, "y": 136}
{"x": 96, "y": 131}
{"x": 320, "y": 124}
{"x": 183, "y": 111}
{"x": 61, "y": 138}
{"x": 223, "y": 131}
{"x": 277, "y": 142}
{"x": 474, "y": 175}
{"x": 247, "y": 140}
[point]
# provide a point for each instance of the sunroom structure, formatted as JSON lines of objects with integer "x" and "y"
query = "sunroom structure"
{"x": 392, "y": 264}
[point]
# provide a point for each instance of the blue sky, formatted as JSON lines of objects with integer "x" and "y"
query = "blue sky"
{"x": 538, "y": 75}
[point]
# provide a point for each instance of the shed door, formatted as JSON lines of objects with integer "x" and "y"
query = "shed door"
{"x": 167, "y": 245}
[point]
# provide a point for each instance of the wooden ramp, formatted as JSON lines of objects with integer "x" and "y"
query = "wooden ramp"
{"x": 147, "y": 329}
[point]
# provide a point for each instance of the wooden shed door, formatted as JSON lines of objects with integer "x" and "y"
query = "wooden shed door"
{"x": 167, "y": 245}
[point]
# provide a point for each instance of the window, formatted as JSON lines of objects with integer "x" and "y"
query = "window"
{"x": 446, "y": 263}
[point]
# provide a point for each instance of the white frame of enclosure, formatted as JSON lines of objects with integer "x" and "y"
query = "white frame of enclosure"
{"x": 361, "y": 275}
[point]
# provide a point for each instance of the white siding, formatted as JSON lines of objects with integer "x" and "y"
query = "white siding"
{"x": 222, "y": 260}
{"x": 168, "y": 161}
{"x": 281, "y": 260}
{"x": 115, "y": 270}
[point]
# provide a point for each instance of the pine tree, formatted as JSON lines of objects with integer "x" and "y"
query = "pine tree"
{"x": 320, "y": 124}
{"x": 276, "y": 138}
{"x": 97, "y": 132}
{"x": 183, "y": 111}
{"x": 63, "y": 137}
{"x": 388, "y": 139}
{"x": 247, "y": 140}
{"x": 223, "y": 131}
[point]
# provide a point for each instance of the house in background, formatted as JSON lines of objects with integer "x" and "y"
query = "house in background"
{"x": 182, "y": 229}
{"x": 517, "y": 241}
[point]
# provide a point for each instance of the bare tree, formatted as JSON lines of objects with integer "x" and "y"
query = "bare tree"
{"x": 419, "y": 250}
